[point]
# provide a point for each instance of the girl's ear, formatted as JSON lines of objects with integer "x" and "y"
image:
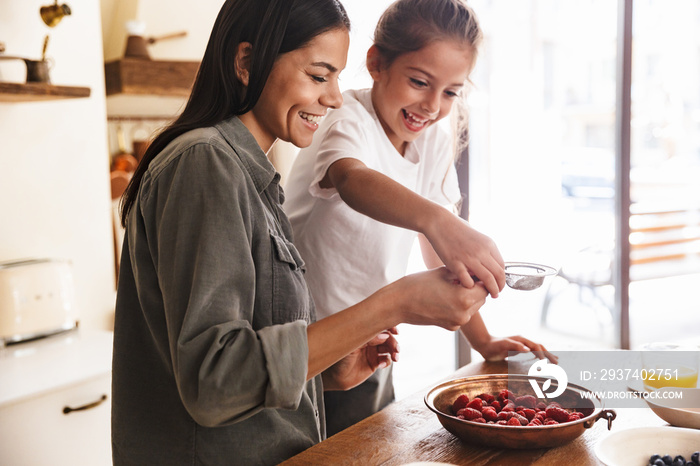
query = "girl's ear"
{"x": 242, "y": 62}
{"x": 374, "y": 62}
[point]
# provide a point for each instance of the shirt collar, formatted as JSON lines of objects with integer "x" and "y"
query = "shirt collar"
{"x": 254, "y": 159}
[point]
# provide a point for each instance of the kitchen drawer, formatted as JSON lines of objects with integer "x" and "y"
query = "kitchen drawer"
{"x": 36, "y": 431}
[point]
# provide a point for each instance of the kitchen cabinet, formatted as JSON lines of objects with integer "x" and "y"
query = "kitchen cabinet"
{"x": 55, "y": 400}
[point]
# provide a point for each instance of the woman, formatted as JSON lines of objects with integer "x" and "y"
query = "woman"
{"x": 217, "y": 355}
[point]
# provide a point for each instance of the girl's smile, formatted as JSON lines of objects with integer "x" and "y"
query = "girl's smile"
{"x": 414, "y": 122}
{"x": 418, "y": 88}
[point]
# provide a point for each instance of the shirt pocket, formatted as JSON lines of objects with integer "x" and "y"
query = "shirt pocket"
{"x": 287, "y": 252}
{"x": 290, "y": 295}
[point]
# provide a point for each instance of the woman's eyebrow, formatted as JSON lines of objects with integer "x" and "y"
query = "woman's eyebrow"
{"x": 326, "y": 65}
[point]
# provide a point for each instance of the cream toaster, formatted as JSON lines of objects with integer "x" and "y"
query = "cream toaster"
{"x": 37, "y": 299}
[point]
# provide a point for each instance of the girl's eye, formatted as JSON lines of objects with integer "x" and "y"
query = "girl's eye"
{"x": 319, "y": 79}
{"x": 418, "y": 82}
{"x": 451, "y": 94}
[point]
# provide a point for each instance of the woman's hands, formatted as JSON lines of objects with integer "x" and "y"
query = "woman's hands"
{"x": 465, "y": 251}
{"x": 433, "y": 297}
{"x": 357, "y": 366}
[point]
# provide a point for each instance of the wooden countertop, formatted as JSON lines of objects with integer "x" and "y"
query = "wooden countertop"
{"x": 407, "y": 431}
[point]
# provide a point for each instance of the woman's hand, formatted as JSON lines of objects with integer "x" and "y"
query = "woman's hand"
{"x": 357, "y": 366}
{"x": 466, "y": 252}
{"x": 496, "y": 349}
{"x": 434, "y": 297}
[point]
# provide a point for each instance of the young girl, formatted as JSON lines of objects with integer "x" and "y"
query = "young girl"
{"x": 217, "y": 352}
{"x": 381, "y": 170}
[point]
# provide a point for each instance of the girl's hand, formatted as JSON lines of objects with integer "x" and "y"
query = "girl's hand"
{"x": 496, "y": 349}
{"x": 357, "y": 366}
{"x": 467, "y": 252}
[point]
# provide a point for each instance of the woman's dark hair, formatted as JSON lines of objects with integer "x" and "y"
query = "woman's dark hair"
{"x": 273, "y": 27}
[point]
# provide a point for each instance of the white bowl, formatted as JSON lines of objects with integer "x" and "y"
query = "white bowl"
{"x": 635, "y": 446}
{"x": 678, "y": 412}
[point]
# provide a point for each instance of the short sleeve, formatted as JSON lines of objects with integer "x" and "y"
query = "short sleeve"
{"x": 345, "y": 138}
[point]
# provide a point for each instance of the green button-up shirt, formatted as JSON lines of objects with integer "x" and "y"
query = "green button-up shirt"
{"x": 210, "y": 348}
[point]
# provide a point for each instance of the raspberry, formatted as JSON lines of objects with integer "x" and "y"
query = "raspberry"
{"x": 501, "y": 422}
{"x": 489, "y": 413}
{"x": 541, "y": 406}
{"x": 480, "y": 420}
{"x": 504, "y": 415}
{"x": 557, "y": 413}
{"x": 535, "y": 422}
{"x": 476, "y": 403}
{"x": 575, "y": 417}
{"x": 513, "y": 422}
{"x": 550, "y": 422}
{"x": 505, "y": 394}
{"x": 529, "y": 414}
{"x": 510, "y": 406}
{"x": 460, "y": 403}
{"x": 487, "y": 397}
{"x": 496, "y": 405}
{"x": 527, "y": 401}
{"x": 553, "y": 404}
{"x": 469, "y": 413}
{"x": 521, "y": 419}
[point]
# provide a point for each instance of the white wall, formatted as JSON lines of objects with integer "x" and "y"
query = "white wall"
{"x": 54, "y": 172}
{"x": 54, "y": 156}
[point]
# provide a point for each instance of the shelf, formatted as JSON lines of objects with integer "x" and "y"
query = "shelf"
{"x": 150, "y": 77}
{"x": 36, "y": 92}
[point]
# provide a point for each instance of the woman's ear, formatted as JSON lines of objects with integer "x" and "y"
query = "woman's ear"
{"x": 374, "y": 62}
{"x": 242, "y": 62}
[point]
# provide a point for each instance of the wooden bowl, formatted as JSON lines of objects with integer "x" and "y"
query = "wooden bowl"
{"x": 439, "y": 399}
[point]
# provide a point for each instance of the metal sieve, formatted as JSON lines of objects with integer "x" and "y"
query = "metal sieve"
{"x": 526, "y": 276}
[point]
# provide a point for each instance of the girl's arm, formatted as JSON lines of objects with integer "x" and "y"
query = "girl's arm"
{"x": 490, "y": 347}
{"x": 461, "y": 248}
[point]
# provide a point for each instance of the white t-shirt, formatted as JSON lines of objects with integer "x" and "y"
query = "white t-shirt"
{"x": 349, "y": 255}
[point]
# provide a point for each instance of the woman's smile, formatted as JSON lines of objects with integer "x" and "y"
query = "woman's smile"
{"x": 311, "y": 120}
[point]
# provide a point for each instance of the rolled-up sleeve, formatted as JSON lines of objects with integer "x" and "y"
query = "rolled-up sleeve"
{"x": 202, "y": 236}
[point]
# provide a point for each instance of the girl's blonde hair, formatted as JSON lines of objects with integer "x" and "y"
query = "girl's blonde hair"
{"x": 409, "y": 25}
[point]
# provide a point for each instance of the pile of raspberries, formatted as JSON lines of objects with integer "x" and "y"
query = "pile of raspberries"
{"x": 508, "y": 409}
